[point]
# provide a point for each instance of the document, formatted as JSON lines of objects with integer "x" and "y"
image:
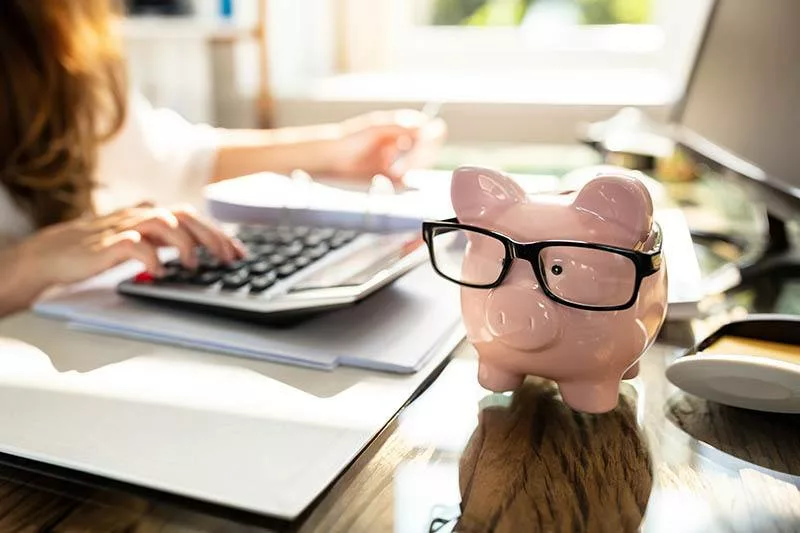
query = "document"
{"x": 395, "y": 330}
{"x": 279, "y": 199}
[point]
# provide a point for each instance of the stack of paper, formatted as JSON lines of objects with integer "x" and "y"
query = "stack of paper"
{"x": 395, "y": 330}
{"x": 280, "y": 199}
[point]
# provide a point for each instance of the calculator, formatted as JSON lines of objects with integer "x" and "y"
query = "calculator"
{"x": 289, "y": 273}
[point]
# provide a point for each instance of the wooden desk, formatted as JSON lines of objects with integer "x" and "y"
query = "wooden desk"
{"x": 662, "y": 461}
{"x": 458, "y": 458}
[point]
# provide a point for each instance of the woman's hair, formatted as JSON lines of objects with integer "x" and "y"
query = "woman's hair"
{"x": 62, "y": 93}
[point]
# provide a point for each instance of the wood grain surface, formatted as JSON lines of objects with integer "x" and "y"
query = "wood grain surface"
{"x": 459, "y": 458}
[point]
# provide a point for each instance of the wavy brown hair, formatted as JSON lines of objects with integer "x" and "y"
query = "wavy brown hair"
{"x": 62, "y": 93}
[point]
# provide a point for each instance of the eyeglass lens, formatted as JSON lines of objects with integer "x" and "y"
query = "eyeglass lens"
{"x": 486, "y": 256}
{"x": 588, "y": 276}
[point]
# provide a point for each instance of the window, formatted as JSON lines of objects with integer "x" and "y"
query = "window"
{"x": 519, "y": 38}
{"x": 521, "y": 12}
{"x": 527, "y": 70}
{"x": 524, "y": 33}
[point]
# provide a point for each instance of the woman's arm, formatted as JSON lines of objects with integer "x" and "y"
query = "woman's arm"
{"x": 162, "y": 157}
{"x": 358, "y": 148}
{"x": 283, "y": 150}
{"x": 21, "y": 283}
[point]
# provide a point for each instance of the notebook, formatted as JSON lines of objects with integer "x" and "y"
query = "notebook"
{"x": 395, "y": 330}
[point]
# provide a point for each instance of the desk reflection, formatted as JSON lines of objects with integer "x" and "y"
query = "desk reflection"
{"x": 748, "y": 438}
{"x": 533, "y": 464}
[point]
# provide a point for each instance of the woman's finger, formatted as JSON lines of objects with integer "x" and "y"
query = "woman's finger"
{"x": 126, "y": 245}
{"x": 393, "y": 163}
{"x": 114, "y": 220}
{"x": 164, "y": 228}
{"x": 213, "y": 238}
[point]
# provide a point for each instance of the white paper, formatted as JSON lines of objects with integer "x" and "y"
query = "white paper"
{"x": 242, "y": 433}
{"x": 275, "y": 198}
{"x": 685, "y": 283}
{"x": 394, "y": 330}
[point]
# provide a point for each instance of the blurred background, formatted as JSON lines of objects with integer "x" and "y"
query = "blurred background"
{"x": 507, "y": 70}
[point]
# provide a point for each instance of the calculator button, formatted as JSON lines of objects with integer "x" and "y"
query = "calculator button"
{"x": 286, "y": 238}
{"x": 301, "y": 231}
{"x": 253, "y": 238}
{"x": 338, "y": 242}
{"x": 277, "y": 259}
{"x": 260, "y": 267}
{"x": 211, "y": 263}
{"x": 144, "y": 277}
{"x": 313, "y": 239}
{"x": 259, "y": 250}
{"x": 341, "y": 238}
{"x": 317, "y": 252}
{"x": 236, "y": 265}
{"x": 265, "y": 237}
{"x": 302, "y": 262}
{"x": 184, "y": 276}
{"x": 326, "y": 233}
{"x": 234, "y": 280}
{"x": 292, "y": 250}
{"x": 286, "y": 270}
{"x": 262, "y": 283}
{"x": 171, "y": 273}
{"x": 346, "y": 234}
{"x": 207, "y": 278}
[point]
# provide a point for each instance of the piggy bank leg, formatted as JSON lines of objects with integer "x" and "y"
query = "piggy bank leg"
{"x": 632, "y": 372}
{"x": 590, "y": 397}
{"x": 498, "y": 380}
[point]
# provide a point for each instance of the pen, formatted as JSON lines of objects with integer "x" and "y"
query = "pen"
{"x": 431, "y": 109}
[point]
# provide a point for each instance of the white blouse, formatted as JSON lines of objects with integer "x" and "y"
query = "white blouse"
{"x": 157, "y": 155}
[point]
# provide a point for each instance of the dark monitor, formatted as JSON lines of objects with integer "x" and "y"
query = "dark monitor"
{"x": 740, "y": 115}
{"x": 741, "y": 107}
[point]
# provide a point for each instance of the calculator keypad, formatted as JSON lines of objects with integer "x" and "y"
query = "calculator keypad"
{"x": 273, "y": 253}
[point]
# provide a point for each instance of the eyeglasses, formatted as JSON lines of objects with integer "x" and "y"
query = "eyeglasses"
{"x": 583, "y": 275}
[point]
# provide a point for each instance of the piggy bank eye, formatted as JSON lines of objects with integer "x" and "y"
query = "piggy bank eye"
{"x": 556, "y": 270}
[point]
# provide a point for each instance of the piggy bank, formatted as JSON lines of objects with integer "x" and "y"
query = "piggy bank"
{"x": 570, "y": 286}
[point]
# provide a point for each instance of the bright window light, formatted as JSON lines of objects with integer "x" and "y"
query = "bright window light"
{"x": 517, "y": 35}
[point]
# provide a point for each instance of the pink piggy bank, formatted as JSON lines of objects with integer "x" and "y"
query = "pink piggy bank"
{"x": 570, "y": 287}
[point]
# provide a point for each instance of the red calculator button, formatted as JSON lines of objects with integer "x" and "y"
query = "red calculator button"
{"x": 143, "y": 277}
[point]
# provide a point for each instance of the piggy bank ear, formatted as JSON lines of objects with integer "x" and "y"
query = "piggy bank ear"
{"x": 619, "y": 208}
{"x": 481, "y": 193}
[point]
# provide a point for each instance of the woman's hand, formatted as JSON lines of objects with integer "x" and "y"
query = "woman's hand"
{"x": 386, "y": 143}
{"x": 382, "y": 142}
{"x": 76, "y": 250}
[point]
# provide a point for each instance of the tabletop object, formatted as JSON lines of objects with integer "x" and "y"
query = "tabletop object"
{"x": 568, "y": 286}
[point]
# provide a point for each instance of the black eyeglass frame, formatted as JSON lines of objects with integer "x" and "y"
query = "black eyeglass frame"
{"x": 646, "y": 263}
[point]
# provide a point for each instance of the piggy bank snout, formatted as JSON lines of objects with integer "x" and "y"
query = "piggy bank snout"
{"x": 522, "y": 317}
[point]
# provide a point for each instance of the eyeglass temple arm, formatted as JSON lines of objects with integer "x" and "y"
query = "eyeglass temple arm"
{"x": 653, "y": 257}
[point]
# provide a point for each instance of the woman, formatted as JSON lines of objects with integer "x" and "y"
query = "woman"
{"x": 83, "y": 162}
